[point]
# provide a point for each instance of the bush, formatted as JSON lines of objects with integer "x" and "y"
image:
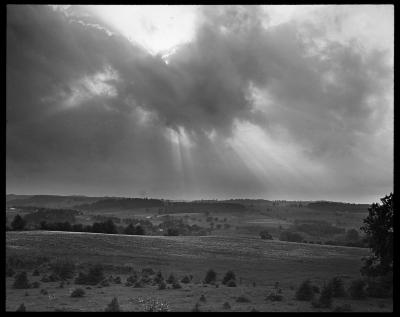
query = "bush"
{"x": 78, "y": 292}
{"x": 64, "y": 268}
{"x": 162, "y": 285}
{"x": 274, "y": 297}
{"x": 36, "y": 272}
{"x": 325, "y": 299}
{"x": 226, "y": 305}
{"x": 185, "y": 279}
{"x": 378, "y": 288}
{"x": 132, "y": 279}
{"x": 265, "y": 235}
{"x": 196, "y": 308}
{"x": 105, "y": 283}
{"x": 113, "y": 306}
{"x": 203, "y": 298}
{"x": 138, "y": 284}
{"x": 21, "y": 281}
{"x": 176, "y": 285}
{"x": 148, "y": 271}
{"x": 158, "y": 278}
{"x": 21, "y": 307}
{"x": 243, "y": 299}
{"x": 18, "y": 223}
{"x": 35, "y": 285}
{"x": 231, "y": 283}
{"x": 211, "y": 277}
{"x": 357, "y": 289}
{"x": 117, "y": 280}
{"x": 10, "y": 272}
{"x": 337, "y": 287}
{"x": 94, "y": 276}
{"x": 343, "y": 308}
{"x": 305, "y": 291}
{"x": 230, "y": 275}
{"x": 290, "y": 236}
{"x": 44, "y": 291}
{"x": 45, "y": 279}
{"x": 171, "y": 279}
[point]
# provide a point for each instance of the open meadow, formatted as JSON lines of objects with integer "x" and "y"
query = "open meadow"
{"x": 258, "y": 266}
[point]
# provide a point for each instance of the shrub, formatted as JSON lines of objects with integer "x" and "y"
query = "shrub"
{"x": 113, "y": 306}
{"x": 36, "y": 272}
{"x": 146, "y": 280}
{"x": 337, "y": 287}
{"x": 78, "y": 292}
{"x": 35, "y": 285}
{"x": 21, "y": 307}
{"x": 185, "y": 279}
{"x": 243, "y": 299}
{"x": 226, "y": 305}
{"x": 148, "y": 271}
{"x": 18, "y": 223}
{"x": 94, "y": 276}
{"x": 230, "y": 275}
{"x": 132, "y": 279}
{"x": 343, "y": 308}
{"x": 138, "y": 284}
{"x": 274, "y": 297}
{"x": 176, "y": 285}
{"x": 231, "y": 283}
{"x": 325, "y": 299}
{"x": 305, "y": 291}
{"x": 171, "y": 279}
{"x": 357, "y": 289}
{"x": 315, "y": 289}
{"x": 105, "y": 283}
{"x": 21, "y": 281}
{"x": 54, "y": 277}
{"x": 162, "y": 285}
{"x": 10, "y": 272}
{"x": 265, "y": 235}
{"x": 379, "y": 288}
{"x": 290, "y": 236}
{"x": 211, "y": 277}
{"x": 45, "y": 279}
{"x": 44, "y": 291}
{"x": 196, "y": 308}
{"x": 158, "y": 278}
{"x": 203, "y": 298}
{"x": 64, "y": 268}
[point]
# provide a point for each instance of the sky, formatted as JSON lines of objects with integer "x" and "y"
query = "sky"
{"x": 201, "y": 102}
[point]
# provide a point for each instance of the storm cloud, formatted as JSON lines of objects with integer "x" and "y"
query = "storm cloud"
{"x": 242, "y": 110}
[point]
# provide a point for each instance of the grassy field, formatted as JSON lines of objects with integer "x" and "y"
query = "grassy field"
{"x": 258, "y": 265}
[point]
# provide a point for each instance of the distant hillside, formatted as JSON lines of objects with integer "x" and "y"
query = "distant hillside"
{"x": 336, "y": 206}
{"x": 47, "y": 201}
{"x": 195, "y": 207}
{"x": 121, "y": 204}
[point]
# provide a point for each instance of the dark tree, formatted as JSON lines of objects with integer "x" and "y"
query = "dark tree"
{"x": 352, "y": 235}
{"x": 378, "y": 227}
{"x": 130, "y": 229}
{"x": 18, "y": 223}
{"x": 140, "y": 230}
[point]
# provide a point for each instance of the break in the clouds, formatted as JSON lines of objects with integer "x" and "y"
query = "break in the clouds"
{"x": 275, "y": 102}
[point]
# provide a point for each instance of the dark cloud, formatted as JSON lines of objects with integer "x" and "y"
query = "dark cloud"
{"x": 324, "y": 99}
